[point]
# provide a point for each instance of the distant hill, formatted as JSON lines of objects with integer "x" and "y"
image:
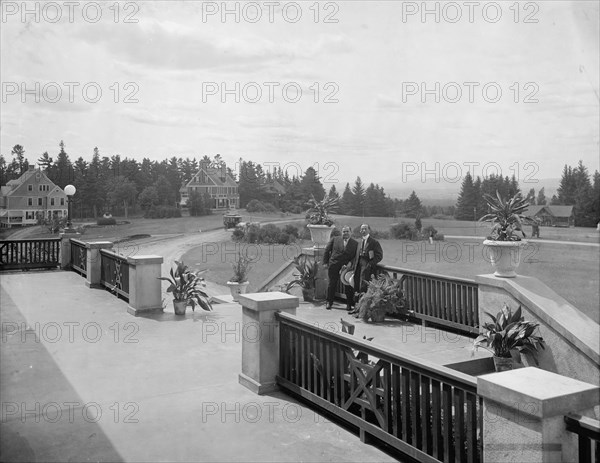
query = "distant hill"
{"x": 445, "y": 194}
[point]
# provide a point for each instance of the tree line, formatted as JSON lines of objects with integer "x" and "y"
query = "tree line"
{"x": 576, "y": 189}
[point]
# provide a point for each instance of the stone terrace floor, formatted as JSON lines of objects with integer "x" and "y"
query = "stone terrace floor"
{"x": 82, "y": 380}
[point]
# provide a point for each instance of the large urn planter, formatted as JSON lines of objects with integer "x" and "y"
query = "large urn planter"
{"x": 237, "y": 289}
{"x": 320, "y": 235}
{"x": 505, "y": 256}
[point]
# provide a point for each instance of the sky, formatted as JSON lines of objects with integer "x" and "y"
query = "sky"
{"x": 391, "y": 91}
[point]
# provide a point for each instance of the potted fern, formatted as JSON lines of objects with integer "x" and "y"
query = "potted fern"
{"x": 320, "y": 223}
{"x": 506, "y": 333}
{"x": 185, "y": 285}
{"x": 504, "y": 243}
{"x": 238, "y": 283}
{"x": 306, "y": 272}
{"x": 384, "y": 296}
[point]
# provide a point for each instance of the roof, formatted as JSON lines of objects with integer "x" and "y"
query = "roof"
{"x": 215, "y": 177}
{"x": 555, "y": 211}
{"x": 13, "y": 185}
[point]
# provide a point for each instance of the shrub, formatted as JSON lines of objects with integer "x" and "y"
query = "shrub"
{"x": 106, "y": 221}
{"x": 430, "y": 230}
{"x": 284, "y": 238}
{"x": 238, "y": 234}
{"x": 380, "y": 235}
{"x": 291, "y": 230}
{"x": 268, "y": 234}
{"x": 404, "y": 231}
{"x": 257, "y": 206}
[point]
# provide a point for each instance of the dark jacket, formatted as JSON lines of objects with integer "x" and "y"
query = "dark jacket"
{"x": 335, "y": 254}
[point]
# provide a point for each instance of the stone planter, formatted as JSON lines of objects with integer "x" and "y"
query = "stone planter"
{"x": 179, "y": 307}
{"x": 320, "y": 235}
{"x": 308, "y": 294}
{"x": 237, "y": 289}
{"x": 503, "y": 363}
{"x": 505, "y": 256}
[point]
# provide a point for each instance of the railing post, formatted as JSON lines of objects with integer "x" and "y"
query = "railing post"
{"x": 94, "y": 262}
{"x": 144, "y": 285}
{"x": 260, "y": 338}
{"x": 65, "y": 249}
{"x": 523, "y": 415}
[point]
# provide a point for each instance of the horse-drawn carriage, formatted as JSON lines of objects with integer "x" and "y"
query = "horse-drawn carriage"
{"x": 231, "y": 220}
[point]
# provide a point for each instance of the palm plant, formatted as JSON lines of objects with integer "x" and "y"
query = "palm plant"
{"x": 318, "y": 214}
{"x": 306, "y": 274}
{"x": 241, "y": 267}
{"x": 509, "y": 331}
{"x": 506, "y": 216}
{"x": 384, "y": 296}
{"x": 184, "y": 285}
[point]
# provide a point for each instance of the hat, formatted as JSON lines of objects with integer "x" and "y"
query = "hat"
{"x": 347, "y": 277}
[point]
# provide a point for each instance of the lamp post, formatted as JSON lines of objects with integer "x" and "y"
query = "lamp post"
{"x": 69, "y": 191}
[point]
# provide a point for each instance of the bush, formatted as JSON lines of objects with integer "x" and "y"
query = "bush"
{"x": 256, "y": 206}
{"x": 430, "y": 230}
{"x": 269, "y": 234}
{"x": 291, "y": 230}
{"x": 404, "y": 231}
{"x": 380, "y": 235}
{"x": 106, "y": 221}
{"x": 238, "y": 234}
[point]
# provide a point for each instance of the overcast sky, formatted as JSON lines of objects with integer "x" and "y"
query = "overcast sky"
{"x": 170, "y": 72}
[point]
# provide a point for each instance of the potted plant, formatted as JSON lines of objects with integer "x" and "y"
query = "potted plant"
{"x": 504, "y": 243}
{"x": 185, "y": 286}
{"x": 384, "y": 296}
{"x": 238, "y": 284}
{"x": 506, "y": 333}
{"x": 305, "y": 277}
{"x": 320, "y": 223}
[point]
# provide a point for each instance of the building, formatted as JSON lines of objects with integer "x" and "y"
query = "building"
{"x": 552, "y": 216}
{"x": 215, "y": 181}
{"x": 31, "y": 196}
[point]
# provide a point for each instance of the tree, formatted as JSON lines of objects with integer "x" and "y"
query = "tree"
{"x": 412, "y": 206}
{"x": 19, "y": 154}
{"x": 121, "y": 191}
{"x": 358, "y": 198}
{"x": 45, "y": 161}
{"x": 310, "y": 184}
{"x": 347, "y": 201}
{"x": 531, "y": 197}
{"x": 198, "y": 204}
{"x": 541, "y": 198}
{"x": 148, "y": 198}
{"x": 468, "y": 199}
{"x": 61, "y": 172}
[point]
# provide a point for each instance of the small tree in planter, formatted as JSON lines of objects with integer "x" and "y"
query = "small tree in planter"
{"x": 184, "y": 285}
{"x": 505, "y": 241}
{"x": 320, "y": 223}
{"x": 238, "y": 284}
{"x": 305, "y": 277}
{"x": 384, "y": 296}
{"x": 506, "y": 333}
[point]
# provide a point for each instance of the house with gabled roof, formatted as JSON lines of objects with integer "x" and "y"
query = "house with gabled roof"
{"x": 31, "y": 196}
{"x": 552, "y": 216}
{"x": 213, "y": 180}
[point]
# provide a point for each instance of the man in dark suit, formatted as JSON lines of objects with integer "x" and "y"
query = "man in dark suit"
{"x": 339, "y": 251}
{"x": 368, "y": 255}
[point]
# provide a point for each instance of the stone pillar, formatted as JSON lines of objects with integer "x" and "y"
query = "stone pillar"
{"x": 260, "y": 338}
{"x": 144, "y": 285}
{"x": 523, "y": 415}
{"x": 321, "y": 280}
{"x": 93, "y": 264}
{"x": 65, "y": 249}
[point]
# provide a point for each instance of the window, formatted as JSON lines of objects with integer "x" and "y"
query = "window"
{"x": 30, "y": 215}
{"x": 30, "y": 201}
{"x": 52, "y": 201}
{"x": 29, "y": 187}
{"x": 62, "y": 201}
{"x": 40, "y": 201}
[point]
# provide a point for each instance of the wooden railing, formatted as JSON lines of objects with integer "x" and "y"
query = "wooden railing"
{"x": 588, "y": 433}
{"x": 114, "y": 273}
{"x": 426, "y": 411}
{"x": 29, "y": 254}
{"x": 78, "y": 256}
{"x": 448, "y": 301}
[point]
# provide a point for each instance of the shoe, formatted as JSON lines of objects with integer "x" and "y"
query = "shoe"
{"x": 349, "y": 308}
{"x": 328, "y": 306}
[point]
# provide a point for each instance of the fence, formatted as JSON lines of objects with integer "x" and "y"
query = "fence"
{"x": 426, "y": 411}
{"x": 588, "y": 433}
{"x": 78, "y": 256}
{"x": 114, "y": 273}
{"x": 29, "y": 254}
{"x": 448, "y": 301}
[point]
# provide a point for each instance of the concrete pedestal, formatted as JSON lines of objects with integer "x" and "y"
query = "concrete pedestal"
{"x": 260, "y": 341}
{"x": 523, "y": 415}
{"x": 65, "y": 249}
{"x": 144, "y": 285}
{"x": 94, "y": 262}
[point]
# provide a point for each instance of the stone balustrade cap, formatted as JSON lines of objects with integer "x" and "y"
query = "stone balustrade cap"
{"x": 144, "y": 260}
{"x": 538, "y": 392}
{"x": 275, "y": 300}
{"x": 98, "y": 244}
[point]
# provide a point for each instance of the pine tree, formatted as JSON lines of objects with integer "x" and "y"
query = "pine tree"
{"x": 541, "y": 198}
{"x": 412, "y": 206}
{"x": 347, "y": 201}
{"x": 358, "y": 198}
{"x": 467, "y": 200}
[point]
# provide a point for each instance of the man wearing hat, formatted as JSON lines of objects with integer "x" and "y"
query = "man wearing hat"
{"x": 340, "y": 251}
